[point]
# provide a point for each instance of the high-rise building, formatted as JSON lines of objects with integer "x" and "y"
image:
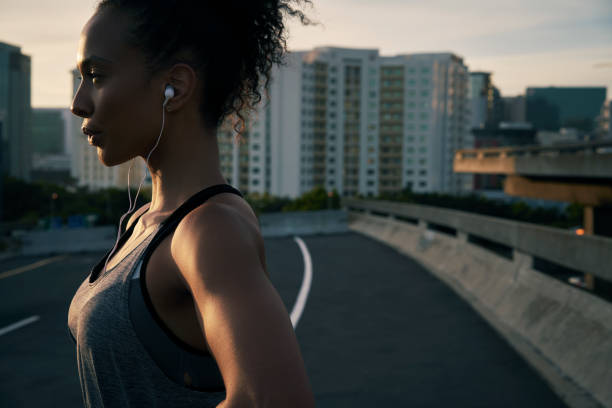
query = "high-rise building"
{"x": 15, "y": 112}
{"x": 554, "y": 108}
{"x": 513, "y": 109}
{"x": 50, "y": 160}
{"x": 48, "y": 129}
{"x": 486, "y": 107}
{"x": 85, "y": 165}
{"x": 603, "y": 128}
{"x": 357, "y": 122}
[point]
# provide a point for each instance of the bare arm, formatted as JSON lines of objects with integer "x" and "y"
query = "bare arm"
{"x": 244, "y": 321}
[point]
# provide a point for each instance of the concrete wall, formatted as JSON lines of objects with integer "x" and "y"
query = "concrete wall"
{"x": 303, "y": 223}
{"x": 103, "y": 238}
{"x": 70, "y": 240}
{"x": 565, "y": 333}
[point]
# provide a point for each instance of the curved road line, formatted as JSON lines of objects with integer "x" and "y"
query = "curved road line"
{"x": 300, "y": 302}
{"x": 35, "y": 265}
{"x": 18, "y": 324}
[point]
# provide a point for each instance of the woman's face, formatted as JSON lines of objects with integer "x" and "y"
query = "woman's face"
{"x": 115, "y": 96}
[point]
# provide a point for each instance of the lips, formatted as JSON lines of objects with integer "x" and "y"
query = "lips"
{"x": 90, "y": 131}
{"x": 93, "y": 135}
{"x": 94, "y": 140}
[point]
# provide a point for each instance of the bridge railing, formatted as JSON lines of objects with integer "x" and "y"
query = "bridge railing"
{"x": 587, "y": 254}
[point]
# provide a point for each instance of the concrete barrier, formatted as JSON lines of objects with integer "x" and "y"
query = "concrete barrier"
{"x": 69, "y": 240}
{"x": 565, "y": 333}
{"x": 583, "y": 253}
{"x": 303, "y": 223}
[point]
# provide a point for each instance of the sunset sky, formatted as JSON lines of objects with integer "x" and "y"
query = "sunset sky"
{"x": 523, "y": 42}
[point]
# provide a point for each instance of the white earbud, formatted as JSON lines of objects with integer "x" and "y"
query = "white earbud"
{"x": 168, "y": 93}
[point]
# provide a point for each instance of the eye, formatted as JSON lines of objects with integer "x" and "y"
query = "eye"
{"x": 93, "y": 76}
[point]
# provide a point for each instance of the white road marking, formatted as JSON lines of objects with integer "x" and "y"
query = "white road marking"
{"x": 34, "y": 265}
{"x": 300, "y": 302}
{"x": 19, "y": 324}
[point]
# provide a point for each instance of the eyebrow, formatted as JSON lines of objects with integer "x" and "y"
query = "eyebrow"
{"x": 93, "y": 59}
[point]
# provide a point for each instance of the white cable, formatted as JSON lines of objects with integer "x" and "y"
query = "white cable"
{"x": 133, "y": 207}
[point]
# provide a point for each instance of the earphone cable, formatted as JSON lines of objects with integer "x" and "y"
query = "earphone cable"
{"x": 133, "y": 207}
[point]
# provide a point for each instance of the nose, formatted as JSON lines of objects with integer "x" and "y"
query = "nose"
{"x": 81, "y": 105}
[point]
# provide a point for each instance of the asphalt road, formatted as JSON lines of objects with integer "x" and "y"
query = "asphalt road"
{"x": 377, "y": 329}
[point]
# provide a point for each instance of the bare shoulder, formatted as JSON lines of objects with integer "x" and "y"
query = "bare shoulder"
{"x": 217, "y": 237}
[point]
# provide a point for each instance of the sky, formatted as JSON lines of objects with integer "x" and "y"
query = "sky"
{"x": 522, "y": 43}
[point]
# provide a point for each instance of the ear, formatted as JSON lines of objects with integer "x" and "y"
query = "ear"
{"x": 184, "y": 80}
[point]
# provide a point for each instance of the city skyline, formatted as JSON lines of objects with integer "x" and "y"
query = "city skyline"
{"x": 522, "y": 44}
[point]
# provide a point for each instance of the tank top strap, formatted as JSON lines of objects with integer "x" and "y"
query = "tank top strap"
{"x": 97, "y": 268}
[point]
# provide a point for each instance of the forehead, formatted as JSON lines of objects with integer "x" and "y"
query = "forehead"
{"x": 103, "y": 40}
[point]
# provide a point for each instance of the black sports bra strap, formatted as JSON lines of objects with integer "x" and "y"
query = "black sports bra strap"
{"x": 170, "y": 223}
{"x": 195, "y": 201}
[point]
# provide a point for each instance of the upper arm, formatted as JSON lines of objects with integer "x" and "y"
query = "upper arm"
{"x": 244, "y": 321}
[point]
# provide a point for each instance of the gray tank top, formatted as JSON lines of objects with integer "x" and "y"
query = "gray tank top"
{"x": 126, "y": 356}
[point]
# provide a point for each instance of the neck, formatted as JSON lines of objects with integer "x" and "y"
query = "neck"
{"x": 185, "y": 162}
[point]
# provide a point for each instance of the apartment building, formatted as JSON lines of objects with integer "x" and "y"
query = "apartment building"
{"x": 355, "y": 121}
{"x": 15, "y": 112}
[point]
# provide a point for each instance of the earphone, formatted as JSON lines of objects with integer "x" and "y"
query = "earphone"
{"x": 168, "y": 94}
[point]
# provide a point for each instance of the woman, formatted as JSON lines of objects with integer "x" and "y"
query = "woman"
{"x": 181, "y": 312}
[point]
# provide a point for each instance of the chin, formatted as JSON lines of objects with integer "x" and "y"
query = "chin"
{"x": 107, "y": 159}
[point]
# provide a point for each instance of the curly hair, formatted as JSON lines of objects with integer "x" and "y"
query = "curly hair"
{"x": 231, "y": 44}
